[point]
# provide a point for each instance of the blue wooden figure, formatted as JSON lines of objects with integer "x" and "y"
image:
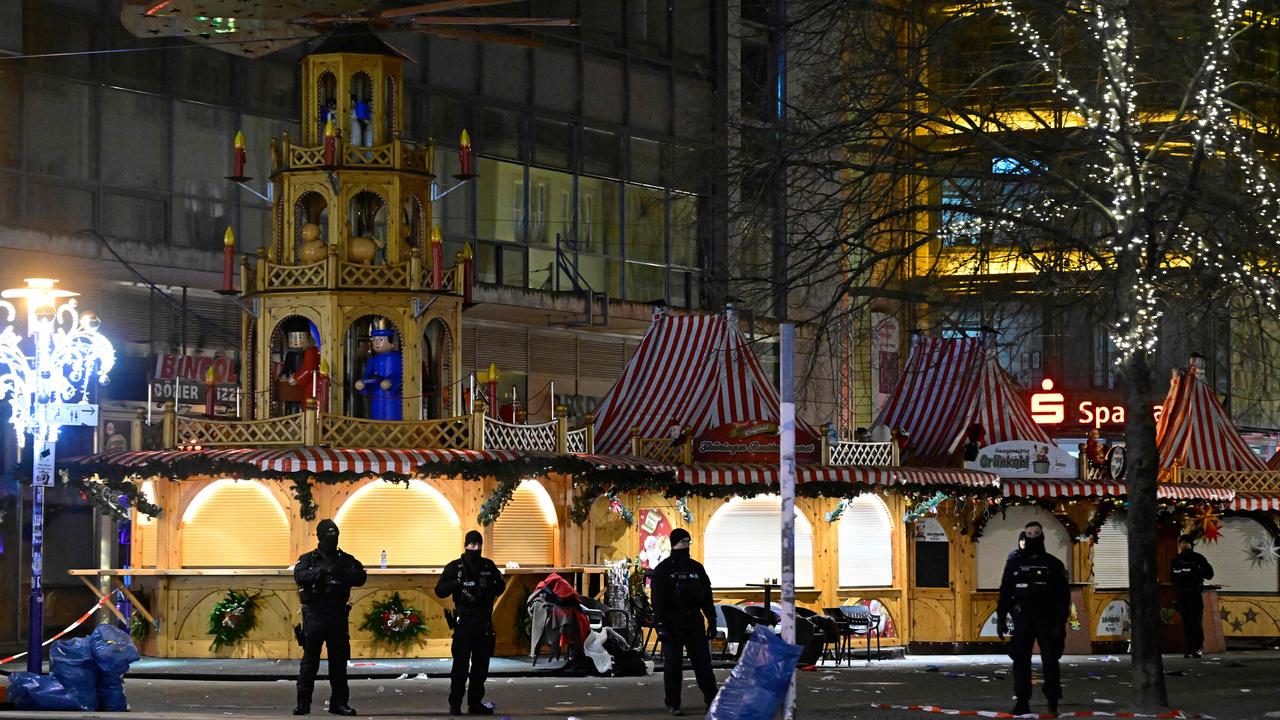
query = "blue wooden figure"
{"x": 382, "y": 377}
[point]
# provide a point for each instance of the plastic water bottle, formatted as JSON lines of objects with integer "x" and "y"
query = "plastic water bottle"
{"x": 384, "y": 559}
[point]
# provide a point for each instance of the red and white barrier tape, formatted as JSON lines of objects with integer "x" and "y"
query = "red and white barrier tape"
{"x": 79, "y": 621}
{"x": 1170, "y": 715}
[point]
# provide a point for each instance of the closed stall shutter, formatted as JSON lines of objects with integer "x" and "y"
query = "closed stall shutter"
{"x": 525, "y": 532}
{"x": 235, "y": 524}
{"x": 866, "y": 544}
{"x": 1000, "y": 537}
{"x": 1234, "y": 566}
{"x": 1111, "y": 555}
{"x": 742, "y": 544}
{"x": 415, "y": 525}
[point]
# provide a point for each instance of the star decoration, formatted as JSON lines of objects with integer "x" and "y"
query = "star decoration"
{"x": 1250, "y": 615}
{"x": 1237, "y": 626}
{"x": 1263, "y": 551}
{"x": 1225, "y": 614}
{"x": 1208, "y": 524}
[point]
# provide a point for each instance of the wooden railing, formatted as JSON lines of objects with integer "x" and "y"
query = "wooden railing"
{"x": 396, "y": 155}
{"x": 334, "y": 273}
{"x": 310, "y": 427}
{"x": 208, "y": 432}
{"x": 844, "y": 452}
{"x": 1240, "y": 480}
{"x": 449, "y": 433}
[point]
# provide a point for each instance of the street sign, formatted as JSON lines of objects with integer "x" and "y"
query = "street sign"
{"x": 44, "y": 465}
{"x": 73, "y": 414}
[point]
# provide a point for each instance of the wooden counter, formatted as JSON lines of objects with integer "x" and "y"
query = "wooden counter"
{"x": 180, "y": 601}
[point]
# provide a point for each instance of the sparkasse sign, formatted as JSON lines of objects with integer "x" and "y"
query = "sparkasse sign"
{"x": 1096, "y": 409}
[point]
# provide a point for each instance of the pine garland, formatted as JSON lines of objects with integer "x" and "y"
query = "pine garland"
{"x": 394, "y": 622}
{"x": 232, "y": 618}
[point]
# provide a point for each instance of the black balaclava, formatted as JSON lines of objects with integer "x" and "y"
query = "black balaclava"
{"x": 1035, "y": 545}
{"x": 327, "y": 537}
{"x": 678, "y": 536}
{"x": 473, "y": 537}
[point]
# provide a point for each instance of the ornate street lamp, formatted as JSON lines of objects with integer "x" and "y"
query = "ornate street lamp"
{"x": 40, "y": 376}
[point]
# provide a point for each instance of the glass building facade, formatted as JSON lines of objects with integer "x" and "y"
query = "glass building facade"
{"x": 590, "y": 147}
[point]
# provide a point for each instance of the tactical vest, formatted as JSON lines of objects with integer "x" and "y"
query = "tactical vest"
{"x": 1031, "y": 581}
{"x": 1186, "y": 573}
{"x": 691, "y": 591}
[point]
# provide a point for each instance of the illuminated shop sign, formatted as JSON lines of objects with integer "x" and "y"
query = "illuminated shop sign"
{"x": 1088, "y": 408}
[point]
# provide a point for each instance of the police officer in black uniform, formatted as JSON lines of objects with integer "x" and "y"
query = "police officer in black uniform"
{"x": 686, "y": 620}
{"x": 1190, "y": 570}
{"x": 325, "y": 577}
{"x": 475, "y": 584}
{"x": 1035, "y": 592}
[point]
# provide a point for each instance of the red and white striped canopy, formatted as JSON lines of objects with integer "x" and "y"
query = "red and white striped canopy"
{"x": 301, "y": 460}
{"x": 760, "y": 474}
{"x": 1260, "y": 502}
{"x": 947, "y": 385}
{"x": 696, "y": 369}
{"x": 1195, "y": 431}
{"x": 1075, "y": 488}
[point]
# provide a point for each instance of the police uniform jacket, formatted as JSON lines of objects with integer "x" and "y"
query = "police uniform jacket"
{"x": 681, "y": 592}
{"x": 325, "y": 582}
{"x": 1190, "y": 570}
{"x": 474, "y": 585}
{"x": 1034, "y": 585}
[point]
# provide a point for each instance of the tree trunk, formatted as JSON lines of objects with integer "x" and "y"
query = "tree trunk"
{"x": 1142, "y": 466}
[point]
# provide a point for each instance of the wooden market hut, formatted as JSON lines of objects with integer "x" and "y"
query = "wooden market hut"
{"x": 694, "y": 395}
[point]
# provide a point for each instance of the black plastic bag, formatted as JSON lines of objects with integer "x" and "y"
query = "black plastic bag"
{"x": 71, "y": 661}
{"x": 758, "y": 684}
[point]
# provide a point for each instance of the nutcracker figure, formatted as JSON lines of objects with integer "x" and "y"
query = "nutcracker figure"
{"x": 383, "y": 375}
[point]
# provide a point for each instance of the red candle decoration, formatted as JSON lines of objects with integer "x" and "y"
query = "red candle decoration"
{"x": 464, "y": 155}
{"x": 322, "y": 387}
{"x": 437, "y": 258}
{"x": 330, "y": 144}
{"x": 228, "y": 258}
{"x": 210, "y": 392}
{"x": 465, "y": 259}
{"x": 492, "y": 390}
{"x": 238, "y": 162}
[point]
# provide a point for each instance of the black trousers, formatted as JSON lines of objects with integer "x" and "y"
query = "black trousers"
{"x": 1051, "y": 635}
{"x": 473, "y": 642}
{"x": 1190, "y": 606}
{"x": 319, "y": 630}
{"x": 691, "y": 638}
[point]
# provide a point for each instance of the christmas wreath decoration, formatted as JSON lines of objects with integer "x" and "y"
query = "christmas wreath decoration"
{"x": 232, "y": 618}
{"x": 394, "y": 622}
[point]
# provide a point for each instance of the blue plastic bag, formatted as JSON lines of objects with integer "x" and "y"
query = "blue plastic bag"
{"x": 71, "y": 661}
{"x": 28, "y": 691}
{"x": 758, "y": 684}
{"x": 113, "y": 653}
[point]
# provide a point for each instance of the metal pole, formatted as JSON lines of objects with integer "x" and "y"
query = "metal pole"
{"x": 787, "y": 476}
{"x": 35, "y": 606}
